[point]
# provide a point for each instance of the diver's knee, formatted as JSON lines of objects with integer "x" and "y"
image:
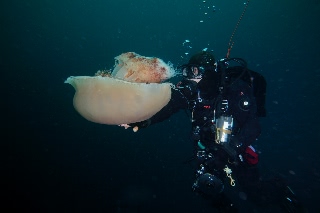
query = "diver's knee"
{"x": 208, "y": 185}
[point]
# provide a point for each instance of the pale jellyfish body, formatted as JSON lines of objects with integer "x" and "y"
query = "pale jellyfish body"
{"x": 133, "y": 93}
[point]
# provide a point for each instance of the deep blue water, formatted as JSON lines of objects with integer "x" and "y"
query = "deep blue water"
{"x": 56, "y": 161}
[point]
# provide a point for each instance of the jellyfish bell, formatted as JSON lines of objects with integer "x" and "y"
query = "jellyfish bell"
{"x": 111, "y": 101}
{"x": 132, "y": 93}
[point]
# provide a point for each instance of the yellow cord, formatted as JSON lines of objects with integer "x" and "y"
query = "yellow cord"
{"x": 231, "y": 42}
{"x": 228, "y": 172}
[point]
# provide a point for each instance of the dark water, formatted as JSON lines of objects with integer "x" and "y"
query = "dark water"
{"x": 56, "y": 161}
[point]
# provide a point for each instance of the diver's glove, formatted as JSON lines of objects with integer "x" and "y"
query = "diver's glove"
{"x": 137, "y": 125}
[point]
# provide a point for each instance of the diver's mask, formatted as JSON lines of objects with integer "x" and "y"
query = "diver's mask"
{"x": 192, "y": 71}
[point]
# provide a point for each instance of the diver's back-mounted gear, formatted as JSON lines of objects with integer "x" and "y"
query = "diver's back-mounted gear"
{"x": 224, "y": 122}
{"x": 231, "y": 73}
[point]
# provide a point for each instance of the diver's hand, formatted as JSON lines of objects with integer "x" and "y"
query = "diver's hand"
{"x": 126, "y": 126}
{"x": 138, "y": 125}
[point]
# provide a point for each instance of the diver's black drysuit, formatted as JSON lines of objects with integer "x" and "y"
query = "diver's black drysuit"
{"x": 238, "y": 93}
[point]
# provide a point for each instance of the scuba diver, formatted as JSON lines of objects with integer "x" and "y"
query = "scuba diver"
{"x": 225, "y": 103}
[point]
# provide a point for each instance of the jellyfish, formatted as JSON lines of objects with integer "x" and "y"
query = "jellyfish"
{"x": 134, "y": 91}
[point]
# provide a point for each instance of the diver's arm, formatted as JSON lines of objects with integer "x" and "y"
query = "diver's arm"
{"x": 178, "y": 101}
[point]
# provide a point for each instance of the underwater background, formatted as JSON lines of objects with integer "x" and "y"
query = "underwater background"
{"x": 53, "y": 160}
